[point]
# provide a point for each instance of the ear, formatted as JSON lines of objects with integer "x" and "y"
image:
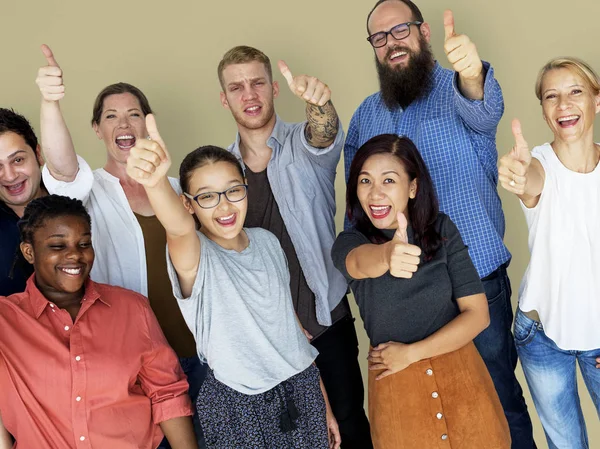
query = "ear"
{"x": 97, "y": 130}
{"x": 38, "y": 155}
{"x": 187, "y": 203}
{"x": 597, "y": 99}
{"x": 412, "y": 191}
{"x": 224, "y": 101}
{"x": 426, "y": 31}
{"x": 27, "y": 250}
{"x": 275, "y": 89}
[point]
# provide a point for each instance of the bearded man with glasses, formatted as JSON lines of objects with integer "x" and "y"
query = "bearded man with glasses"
{"x": 290, "y": 170}
{"x": 451, "y": 116}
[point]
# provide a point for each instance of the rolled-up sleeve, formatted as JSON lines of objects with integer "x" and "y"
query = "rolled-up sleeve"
{"x": 79, "y": 188}
{"x": 161, "y": 376}
{"x": 327, "y": 157}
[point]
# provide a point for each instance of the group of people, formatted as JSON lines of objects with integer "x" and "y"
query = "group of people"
{"x": 143, "y": 311}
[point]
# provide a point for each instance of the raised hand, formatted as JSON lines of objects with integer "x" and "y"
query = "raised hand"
{"x": 461, "y": 52}
{"x": 50, "y": 78}
{"x": 513, "y": 167}
{"x": 149, "y": 160}
{"x": 309, "y": 88}
{"x": 403, "y": 257}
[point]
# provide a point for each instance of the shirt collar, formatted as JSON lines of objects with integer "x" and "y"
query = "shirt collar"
{"x": 39, "y": 302}
{"x": 278, "y": 136}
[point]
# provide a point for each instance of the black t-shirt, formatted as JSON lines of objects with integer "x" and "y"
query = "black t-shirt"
{"x": 263, "y": 212}
{"x": 409, "y": 310}
{"x": 9, "y": 245}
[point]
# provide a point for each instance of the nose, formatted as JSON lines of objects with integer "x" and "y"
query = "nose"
{"x": 376, "y": 192}
{"x": 124, "y": 122}
{"x": 74, "y": 253}
{"x": 249, "y": 93}
{"x": 9, "y": 173}
{"x": 564, "y": 102}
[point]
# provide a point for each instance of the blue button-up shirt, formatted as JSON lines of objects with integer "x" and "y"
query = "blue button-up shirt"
{"x": 302, "y": 179}
{"x": 457, "y": 139}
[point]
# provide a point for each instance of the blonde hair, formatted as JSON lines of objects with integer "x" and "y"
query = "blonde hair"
{"x": 241, "y": 55}
{"x": 575, "y": 65}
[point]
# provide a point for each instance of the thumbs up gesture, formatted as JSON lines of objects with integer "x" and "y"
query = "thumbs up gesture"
{"x": 149, "y": 160}
{"x": 461, "y": 52}
{"x": 513, "y": 167}
{"x": 309, "y": 88}
{"x": 403, "y": 257}
{"x": 49, "y": 78}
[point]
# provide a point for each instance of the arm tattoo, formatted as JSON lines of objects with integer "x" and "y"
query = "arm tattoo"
{"x": 322, "y": 126}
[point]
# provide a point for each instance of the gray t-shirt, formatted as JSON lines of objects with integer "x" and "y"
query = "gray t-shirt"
{"x": 241, "y": 314}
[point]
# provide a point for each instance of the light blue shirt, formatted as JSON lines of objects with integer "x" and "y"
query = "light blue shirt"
{"x": 457, "y": 139}
{"x": 302, "y": 179}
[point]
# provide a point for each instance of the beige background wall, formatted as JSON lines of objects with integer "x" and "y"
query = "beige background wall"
{"x": 171, "y": 50}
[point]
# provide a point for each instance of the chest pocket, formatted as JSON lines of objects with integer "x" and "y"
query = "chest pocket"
{"x": 298, "y": 186}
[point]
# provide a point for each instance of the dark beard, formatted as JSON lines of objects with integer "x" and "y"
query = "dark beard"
{"x": 401, "y": 86}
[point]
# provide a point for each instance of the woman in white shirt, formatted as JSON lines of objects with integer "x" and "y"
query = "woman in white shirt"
{"x": 558, "y": 184}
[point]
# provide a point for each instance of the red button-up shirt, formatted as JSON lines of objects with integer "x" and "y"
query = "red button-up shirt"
{"x": 104, "y": 381}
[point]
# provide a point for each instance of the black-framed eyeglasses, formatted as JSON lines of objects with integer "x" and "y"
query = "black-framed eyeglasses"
{"x": 208, "y": 200}
{"x": 399, "y": 32}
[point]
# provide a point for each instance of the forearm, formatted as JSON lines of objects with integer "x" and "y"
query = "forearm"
{"x": 324, "y": 392}
{"x": 322, "y": 127}
{"x": 180, "y": 432}
{"x": 368, "y": 261}
{"x": 57, "y": 145}
{"x": 454, "y": 335}
{"x": 5, "y": 438}
{"x": 472, "y": 88}
{"x": 533, "y": 185}
{"x": 169, "y": 210}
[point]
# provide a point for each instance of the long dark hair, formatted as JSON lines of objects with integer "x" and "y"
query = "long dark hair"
{"x": 423, "y": 209}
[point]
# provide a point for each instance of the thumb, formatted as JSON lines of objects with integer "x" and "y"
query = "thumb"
{"x": 401, "y": 233}
{"x": 154, "y": 134}
{"x": 286, "y": 72}
{"x": 521, "y": 146}
{"x": 49, "y": 56}
{"x": 448, "y": 24}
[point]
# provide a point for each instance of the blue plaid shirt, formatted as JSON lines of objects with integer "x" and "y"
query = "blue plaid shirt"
{"x": 457, "y": 139}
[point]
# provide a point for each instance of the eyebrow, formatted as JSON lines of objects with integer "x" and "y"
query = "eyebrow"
{"x": 10, "y": 156}
{"x": 85, "y": 234}
{"x": 572, "y": 85}
{"x": 364, "y": 172}
{"x": 236, "y": 181}
{"x": 237, "y": 83}
{"x": 128, "y": 110}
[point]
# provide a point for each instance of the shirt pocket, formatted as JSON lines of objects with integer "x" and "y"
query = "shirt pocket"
{"x": 298, "y": 186}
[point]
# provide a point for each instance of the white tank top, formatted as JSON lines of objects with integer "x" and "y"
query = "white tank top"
{"x": 562, "y": 281}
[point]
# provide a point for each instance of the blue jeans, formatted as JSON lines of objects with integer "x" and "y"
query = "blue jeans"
{"x": 196, "y": 373}
{"x": 552, "y": 379}
{"x": 497, "y": 348}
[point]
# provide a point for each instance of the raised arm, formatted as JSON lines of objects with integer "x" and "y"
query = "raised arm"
{"x": 323, "y": 122}
{"x": 519, "y": 173}
{"x": 397, "y": 256}
{"x": 148, "y": 164}
{"x": 57, "y": 145}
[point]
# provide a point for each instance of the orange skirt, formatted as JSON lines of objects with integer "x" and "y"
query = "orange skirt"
{"x": 448, "y": 401}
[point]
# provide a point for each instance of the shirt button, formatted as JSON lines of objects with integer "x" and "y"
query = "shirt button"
{"x": 52, "y": 305}
{"x": 429, "y": 372}
{"x": 439, "y": 416}
{"x": 78, "y": 358}
{"x": 67, "y": 328}
{"x": 78, "y": 398}
{"x": 434, "y": 395}
{"x": 82, "y": 438}
{"x": 444, "y": 437}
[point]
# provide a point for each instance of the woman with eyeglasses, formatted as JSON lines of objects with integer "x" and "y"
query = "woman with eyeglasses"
{"x": 422, "y": 304}
{"x": 558, "y": 185}
{"x": 232, "y": 284}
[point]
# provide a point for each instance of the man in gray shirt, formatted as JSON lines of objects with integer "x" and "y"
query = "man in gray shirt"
{"x": 290, "y": 169}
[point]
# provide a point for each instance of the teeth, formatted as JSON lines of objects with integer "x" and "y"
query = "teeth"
{"x": 71, "y": 270}
{"x": 379, "y": 208}
{"x": 229, "y": 217}
{"x": 570, "y": 117}
{"x": 397, "y": 54}
{"x": 253, "y": 108}
{"x": 124, "y": 137}
{"x": 15, "y": 187}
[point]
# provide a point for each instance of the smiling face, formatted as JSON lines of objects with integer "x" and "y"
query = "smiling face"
{"x": 20, "y": 172}
{"x": 397, "y": 54}
{"x": 223, "y": 223}
{"x": 122, "y": 122}
{"x": 384, "y": 189}
{"x": 249, "y": 94}
{"x": 61, "y": 253}
{"x": 569, "y": 105}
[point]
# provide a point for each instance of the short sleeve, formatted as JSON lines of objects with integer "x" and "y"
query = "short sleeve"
{"x": 463, "y": 275}
{"x": 79, "y": 188}
{"x": 344, "y": 243}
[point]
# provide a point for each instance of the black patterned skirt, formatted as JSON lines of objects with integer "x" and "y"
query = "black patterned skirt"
{"x": 290, "y": 415}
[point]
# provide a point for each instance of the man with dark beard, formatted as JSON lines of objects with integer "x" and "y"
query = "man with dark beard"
{"x": 452, "y": 116}
{"x": 290, "y": 170}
